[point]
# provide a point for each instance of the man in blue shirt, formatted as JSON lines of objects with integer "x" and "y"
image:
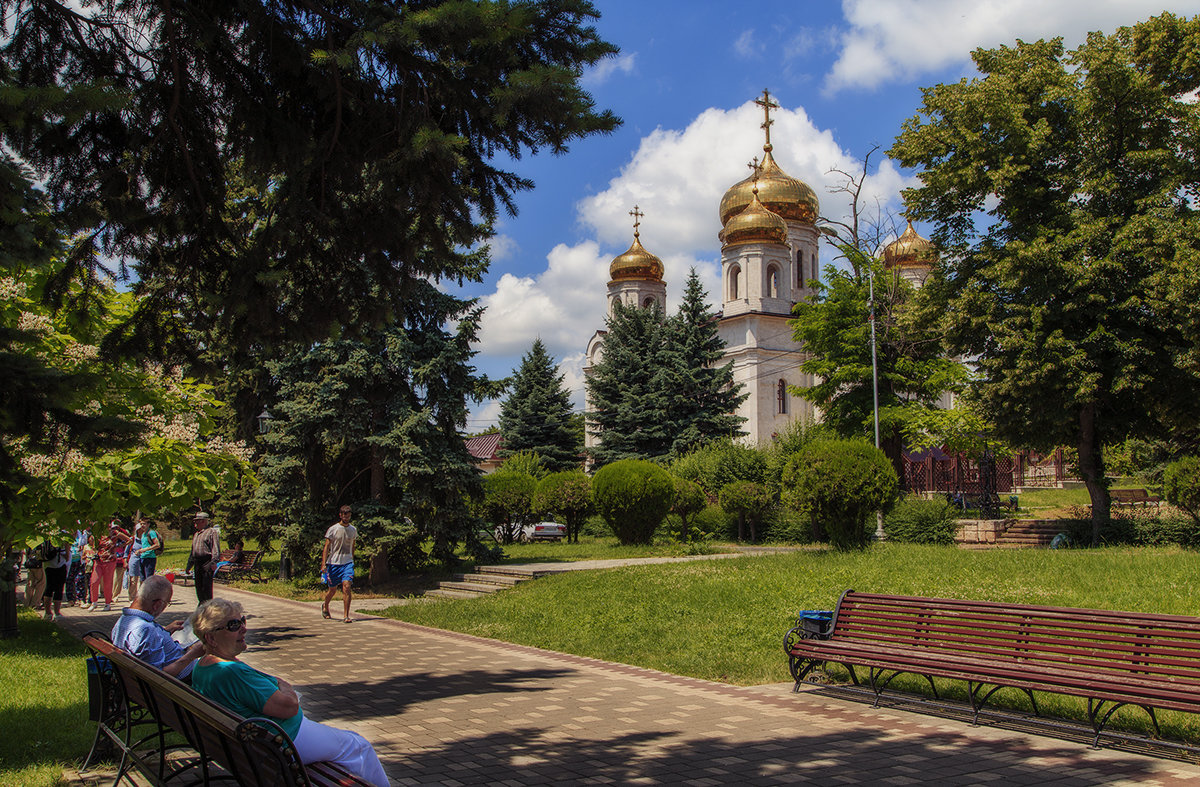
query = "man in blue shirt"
{"x": 136, "y": 631}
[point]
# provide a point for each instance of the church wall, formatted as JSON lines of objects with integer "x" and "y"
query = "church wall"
{"x": 763, "y": 352}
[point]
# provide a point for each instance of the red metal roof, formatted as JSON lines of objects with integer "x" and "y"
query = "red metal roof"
{"x": 484, "y": 446}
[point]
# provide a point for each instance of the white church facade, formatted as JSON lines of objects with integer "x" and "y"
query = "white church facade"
{"x": 769, "y": 262}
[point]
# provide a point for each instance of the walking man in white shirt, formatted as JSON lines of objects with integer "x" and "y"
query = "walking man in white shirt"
{"x": 337, "y": 559}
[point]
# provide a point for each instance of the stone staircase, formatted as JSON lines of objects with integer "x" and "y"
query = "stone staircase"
{"x": 484, "y": 581}
{"x": 1029, "y": 533}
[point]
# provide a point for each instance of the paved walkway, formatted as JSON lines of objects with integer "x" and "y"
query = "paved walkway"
{"x": 451, "y": 709}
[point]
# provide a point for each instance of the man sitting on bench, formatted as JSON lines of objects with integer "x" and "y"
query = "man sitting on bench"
{"x": 137, "y": 632}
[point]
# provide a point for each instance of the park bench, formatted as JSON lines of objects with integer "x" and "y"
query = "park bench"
{"x": 1133, "y": 497}
{"x": 247, "y": 567}
{"x": 1109, "y": 658}
{"x": 174, "y": 736}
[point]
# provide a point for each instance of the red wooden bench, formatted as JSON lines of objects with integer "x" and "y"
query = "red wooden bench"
{"x": 1109, "y": 658}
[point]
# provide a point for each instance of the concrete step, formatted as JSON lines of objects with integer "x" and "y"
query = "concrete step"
{"x": 510, "y": 571}
{"x": 471, "y": 587}
{"x": 439, "y": 593}
{"x": 501, "y": 580}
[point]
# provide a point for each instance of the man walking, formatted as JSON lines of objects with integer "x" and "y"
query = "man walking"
{"x": 206, "y": 546}
{"x": 137, "y": 632}
{"x": 337, "y": 558}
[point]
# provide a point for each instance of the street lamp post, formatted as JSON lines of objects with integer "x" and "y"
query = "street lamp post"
{"x": 879, "y": 534}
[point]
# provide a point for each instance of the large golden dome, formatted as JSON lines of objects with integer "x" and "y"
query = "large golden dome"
{"x": 636, "y": 264}
{"x": 779, "y": 193}
{"x": 910, "y": 250}
{"x": 755, "y": 224}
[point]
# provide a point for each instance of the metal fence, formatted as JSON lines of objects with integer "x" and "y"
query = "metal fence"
{"x": 936, "y": 472}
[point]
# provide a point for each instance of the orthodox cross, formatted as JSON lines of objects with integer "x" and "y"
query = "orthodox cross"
{"x": 756, "y": 169}
{"x": 637, "y": 219}
{"x": 767, "y": 104}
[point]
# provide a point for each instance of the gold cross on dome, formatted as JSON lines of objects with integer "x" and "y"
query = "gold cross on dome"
{"x": 767, "y": 104}
{"x": 637, "y": 219}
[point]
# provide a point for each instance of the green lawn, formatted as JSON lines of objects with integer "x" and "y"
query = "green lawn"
{"x": 43, "y": 704}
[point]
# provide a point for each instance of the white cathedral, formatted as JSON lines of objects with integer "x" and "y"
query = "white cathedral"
{"x": 769, "y": 263}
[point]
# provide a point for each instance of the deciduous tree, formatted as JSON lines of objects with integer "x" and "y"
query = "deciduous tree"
{"x": 1062, "y": 188}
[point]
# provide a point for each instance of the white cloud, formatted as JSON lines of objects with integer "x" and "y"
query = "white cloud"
{"x": 600, "y": 73}
{"x": 502, "y": 247}
{"x": 747, "y": 45}
{"x": 899, "y": 40}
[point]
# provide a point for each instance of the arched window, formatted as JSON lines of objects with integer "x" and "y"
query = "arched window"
{"x": 799, "y": 270}
{"x": 650, "y": 301}
{"x": 782, "y": 396}
{"x": 735, "y": 274}
{"x": 772, "y": 282}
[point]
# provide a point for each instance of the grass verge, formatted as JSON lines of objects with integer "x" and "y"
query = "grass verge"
{"x": 43, "y": 704}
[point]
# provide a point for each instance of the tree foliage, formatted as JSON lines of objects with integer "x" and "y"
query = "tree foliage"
{"x": 629, "y": 389}
{"x": 1062, "y": 187}
{"x": 705, "y": 397}
{"x": 1181, "y": 485}
{"x": 536, "y": 413}
{"x": 912, "y": 369}
{"x": 749, "y": 502}
{"x": 508, "y": 498}
{"x": 377, "y": 420}
{"x": 371, "y": 130}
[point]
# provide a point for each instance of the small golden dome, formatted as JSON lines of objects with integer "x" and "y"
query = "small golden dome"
{"x": 779, "y": 193}
{"x": 910, "y": 250}
{"x": 755, "y": 224}
{"x": 636, "y": 264}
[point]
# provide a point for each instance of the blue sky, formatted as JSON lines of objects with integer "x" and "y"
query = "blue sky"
{"x": 846, "y": 75}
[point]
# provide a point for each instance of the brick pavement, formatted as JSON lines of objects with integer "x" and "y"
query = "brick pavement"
{"x": 450, "y": 709}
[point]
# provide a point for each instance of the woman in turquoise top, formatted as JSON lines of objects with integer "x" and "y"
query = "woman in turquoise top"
{"x": 220, "y": 676}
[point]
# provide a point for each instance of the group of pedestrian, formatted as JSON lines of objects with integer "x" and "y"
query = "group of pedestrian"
{"x": 86, "y": 568}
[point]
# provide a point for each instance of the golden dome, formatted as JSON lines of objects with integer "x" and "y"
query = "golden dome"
{"x": 910, "y": 250}
{"x": 755, "y": 224}
{"x": 779, "y": 193}
{"x": 636, "y": 264}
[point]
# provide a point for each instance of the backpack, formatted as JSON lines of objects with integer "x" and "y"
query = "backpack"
{"x": 49, "y": 552}
{"x": 162, "y": 545}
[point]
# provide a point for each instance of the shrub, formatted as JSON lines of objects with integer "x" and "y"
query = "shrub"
{"x": 1181, "y": 485}
{"x": 838, "y": 484}
{"x": 527, "y": 462}
{"x": 633, "y": 496}
{"x": 712, "y": 522}
{"x": 785, "y": 524}
{"x": 689, "y": 501}
{"x": 567, "y": 494}
{"x": 508, "y": 501}
{"x": 918, "y": 521}
{"x": 719, "y": 463}
{"x": 749, "y": 502}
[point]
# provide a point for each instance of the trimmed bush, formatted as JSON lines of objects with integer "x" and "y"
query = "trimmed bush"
{"x": 633, "y": 496}
{"x": 1181, "y": 485}
{"x": 689, "y": 501}
{"x": 838, "y": 485}
{"x": 508, "y": 502}
{"x": 749, "y": 502}
{"x": 918, "y": 521}
{"x": 568, "y": 495}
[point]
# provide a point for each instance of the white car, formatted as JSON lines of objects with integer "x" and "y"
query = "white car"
{"x": 542, "y": 531}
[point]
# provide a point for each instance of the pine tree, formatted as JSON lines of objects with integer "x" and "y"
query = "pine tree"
{"x": 628, "y": 388}
{"x": 704, "y": 397}
{"x": 372, "y": 128}
{"x": 536, "y": 414}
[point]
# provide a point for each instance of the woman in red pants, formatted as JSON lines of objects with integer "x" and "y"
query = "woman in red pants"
{"x": 105, "y": 566}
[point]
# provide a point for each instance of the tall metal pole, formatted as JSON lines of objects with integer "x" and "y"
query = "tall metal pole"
{"x": 879, "y": 534}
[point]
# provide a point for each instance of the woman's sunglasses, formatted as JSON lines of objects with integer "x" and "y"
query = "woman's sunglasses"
{"x": 237, "y": 623}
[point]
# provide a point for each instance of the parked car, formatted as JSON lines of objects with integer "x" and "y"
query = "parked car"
{"x": 542, "y": 531}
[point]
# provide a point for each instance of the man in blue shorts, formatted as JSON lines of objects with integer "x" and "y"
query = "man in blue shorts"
{"x": 337, "y": 557}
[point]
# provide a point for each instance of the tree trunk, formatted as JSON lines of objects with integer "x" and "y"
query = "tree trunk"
{"x": 1091, "y": 468}
{"x": 8, "y": 595}
{"x": 379, "y": 567}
